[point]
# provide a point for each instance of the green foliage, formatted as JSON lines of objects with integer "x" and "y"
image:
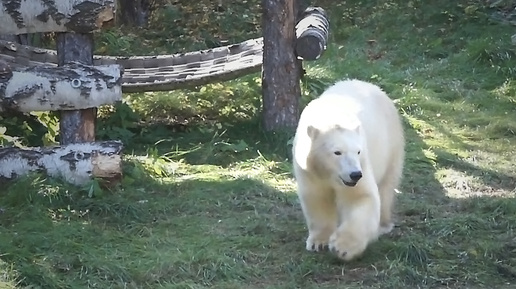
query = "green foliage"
{"x": 117, "y": 122}
{"x": 34, "y": 129}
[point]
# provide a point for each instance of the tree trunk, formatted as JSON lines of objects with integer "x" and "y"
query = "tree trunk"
{"x": 76, "y": 126}
{"x": 30, "y": 16}
{"x": 75, "y": 163}
{"x": 70, "y": 87}
{"x": 134, "y": 12}
{"x": 280, "y": 76}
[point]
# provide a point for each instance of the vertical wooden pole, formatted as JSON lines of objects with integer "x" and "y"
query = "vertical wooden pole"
{"x": 300, "y": 6}
{"x": 281, "y": 90}
{"x": 76, "y": 126}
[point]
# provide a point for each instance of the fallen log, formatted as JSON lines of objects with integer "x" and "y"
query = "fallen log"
{"x": 75, "y": 163}
{"x": 32, "y": 16}
{"x": 70, "y": 87}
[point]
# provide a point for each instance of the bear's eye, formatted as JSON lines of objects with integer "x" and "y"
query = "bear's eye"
{"x": 337, "y": 153}
{"x": 358, "y": 152}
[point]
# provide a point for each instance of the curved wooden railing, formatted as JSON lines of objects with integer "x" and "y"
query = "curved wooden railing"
{"x": 158, "y": 73}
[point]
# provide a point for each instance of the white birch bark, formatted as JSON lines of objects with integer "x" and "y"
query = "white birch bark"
{"x": 75, "y": 163}
{"x": 32, "y": 16}
{"x": 70, "y": 87}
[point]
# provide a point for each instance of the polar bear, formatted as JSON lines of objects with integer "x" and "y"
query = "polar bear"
{"x": 348, "y": 155}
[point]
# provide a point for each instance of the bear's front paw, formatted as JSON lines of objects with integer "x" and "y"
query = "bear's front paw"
{"x": 317, "y": 242}
{"x": 347, "y": 245}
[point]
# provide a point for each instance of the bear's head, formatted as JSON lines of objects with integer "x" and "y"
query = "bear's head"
{"x": 336, "y": 152}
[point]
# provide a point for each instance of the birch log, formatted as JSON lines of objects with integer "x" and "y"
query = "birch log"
{"x": 70, "y": 87}
{"x": 32, "y": 16}
{"x": 312, "y": 33}
{"x": 75, "y": 163}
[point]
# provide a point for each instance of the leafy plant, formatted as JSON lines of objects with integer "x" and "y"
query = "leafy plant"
{"x": 34, "y": 129}
{"x": 117, "y": 122}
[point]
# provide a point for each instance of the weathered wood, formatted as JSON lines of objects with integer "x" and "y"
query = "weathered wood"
{"x": 31, "y": 16}
{"x": 75, "y": 163}
{"x": 280, "y": 75}
{"x": 312, "y": 33}
{"x": 76, "y": 125}
{"x": 70, "y": 87}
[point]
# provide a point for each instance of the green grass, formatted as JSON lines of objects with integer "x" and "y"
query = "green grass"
{"x": 208, "y": 199}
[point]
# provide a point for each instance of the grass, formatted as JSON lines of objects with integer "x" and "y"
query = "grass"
{"x": 208, "y": 199}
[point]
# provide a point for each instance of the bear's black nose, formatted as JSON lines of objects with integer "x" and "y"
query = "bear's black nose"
{"x": 355, "y": 176}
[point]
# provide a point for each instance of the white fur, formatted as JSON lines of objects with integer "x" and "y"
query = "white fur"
{"x": 351, "y": 116}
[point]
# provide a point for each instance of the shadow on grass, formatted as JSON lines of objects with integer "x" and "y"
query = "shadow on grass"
{"x": 492, "y": 179}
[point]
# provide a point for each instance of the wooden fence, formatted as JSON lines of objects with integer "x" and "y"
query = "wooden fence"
{"x": 76, "y": 87}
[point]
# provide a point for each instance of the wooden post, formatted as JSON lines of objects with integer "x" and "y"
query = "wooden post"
{"x": 76, "y": 126}
{"x": 280, "y": 76}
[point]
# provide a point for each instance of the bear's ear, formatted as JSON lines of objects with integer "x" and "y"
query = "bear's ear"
{"x": 312, "y": 131}
{"x": 340, "y": 127}
{"x": 355, "y": 126}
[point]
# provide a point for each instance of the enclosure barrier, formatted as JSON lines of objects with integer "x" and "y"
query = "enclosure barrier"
{"x": 185, "y": 70}
{"x": 74, "y": 82}
{"x": 75, "y": 88}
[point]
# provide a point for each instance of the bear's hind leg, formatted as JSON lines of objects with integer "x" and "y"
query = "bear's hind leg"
{"x": 386, "y": 189}
{"x": 320, "y": 214}
{"x": 387, "y": 201}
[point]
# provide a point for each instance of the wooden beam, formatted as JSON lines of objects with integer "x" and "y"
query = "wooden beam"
{"x": 76, "y": 126}
{"x": 32, "y": 16}
{"x": 70, "y": 87}
{"x": 280, "y": 75}
{"x": 75, "y": 163}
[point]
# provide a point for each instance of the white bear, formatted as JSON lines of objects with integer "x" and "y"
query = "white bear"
{"x": 348, "y": 155}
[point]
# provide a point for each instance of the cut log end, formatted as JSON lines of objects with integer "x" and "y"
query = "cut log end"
{"x": 309, "y": 47}
{"x": 106, "y": 166}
